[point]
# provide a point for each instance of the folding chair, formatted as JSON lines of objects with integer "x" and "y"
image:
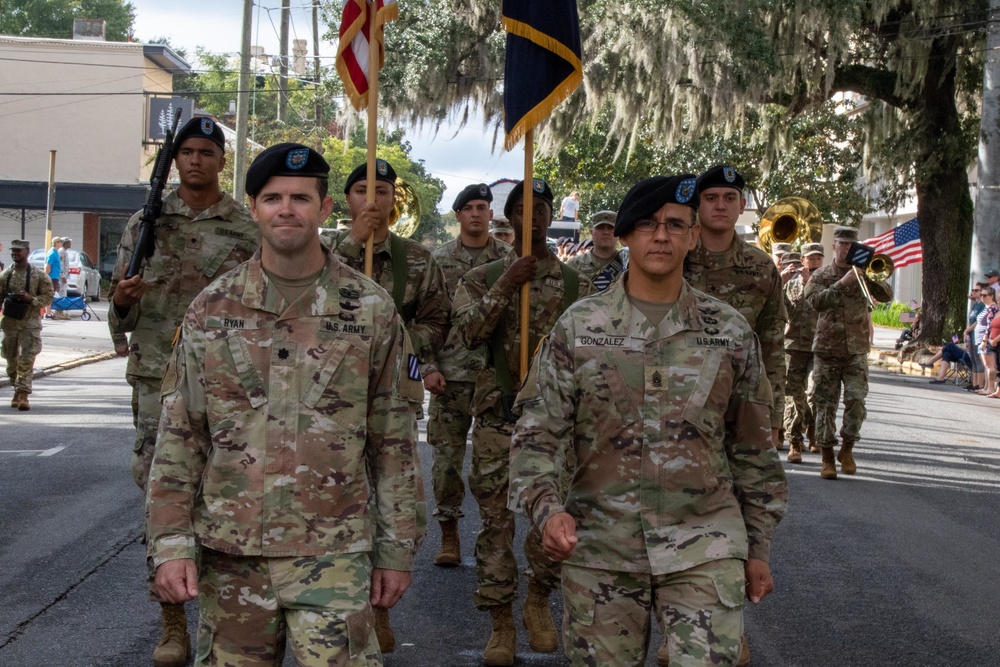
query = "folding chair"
{"x": 960, "y": 371}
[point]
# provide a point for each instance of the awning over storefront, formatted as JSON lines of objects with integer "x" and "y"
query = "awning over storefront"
{"x": 85, "y": 197}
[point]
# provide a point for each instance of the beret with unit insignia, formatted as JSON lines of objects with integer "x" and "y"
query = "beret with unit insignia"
{"x": 475, "y": 192}
{"x": 540, "y": 190}
{"x": 720, "y": 176}
{"x": 286, "y": 159}
{"x": 383, "y": 172}
{"x": 648, "y": 196}
{"x": 199, "y": 127}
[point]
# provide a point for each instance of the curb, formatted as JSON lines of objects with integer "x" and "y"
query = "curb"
{"x": 66, "y": 365}
{"x": 890, "y": 362}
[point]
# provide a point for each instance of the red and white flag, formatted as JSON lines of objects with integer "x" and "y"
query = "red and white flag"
{"x": 355, "y": 42}
{"x": 901, "y": 244}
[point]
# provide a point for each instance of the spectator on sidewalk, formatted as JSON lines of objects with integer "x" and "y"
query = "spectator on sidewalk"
{"x": 950, "y": 354}
{"x": 981, "y": 333}
{"x": 993, "y": 337}
{"x": 978, "y": 369}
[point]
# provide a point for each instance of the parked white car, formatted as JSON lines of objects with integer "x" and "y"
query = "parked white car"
{"x": 84, "y": 278}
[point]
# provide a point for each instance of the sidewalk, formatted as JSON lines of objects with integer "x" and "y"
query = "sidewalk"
{"x": 70, "y": 343}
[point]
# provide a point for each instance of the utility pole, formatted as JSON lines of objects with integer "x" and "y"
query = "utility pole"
{"x": 283, "y": 63}
{"x": 985, "y": 231}
{"x": 243, "y": 107}
{"x": 50, "y": 203}
{"x": 316, "y": 90}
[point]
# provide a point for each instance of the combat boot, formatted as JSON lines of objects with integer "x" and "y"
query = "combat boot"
{"x": 450, "y": 554}
{"x": 794, "y": 452}
{"x": 829, "y": 470}
{"x": 16, "y": 400}
{"x": 542, "y": 635}
{"x": 847, "y": 464}
{"x": 663, "y": 655}
{"x": 502, "y": 645}
{"x": 174, "y": 646}
{"x": 22, "y": 403}
{"x": 386, "y": 637}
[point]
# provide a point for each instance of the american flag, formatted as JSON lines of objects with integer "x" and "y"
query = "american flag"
{"x": 901, "y": 244}
{"x": 352, "y": 51}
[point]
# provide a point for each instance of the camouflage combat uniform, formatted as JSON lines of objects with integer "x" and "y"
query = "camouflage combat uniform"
{"x": 22, "y": 339}
{"x": 191, "y": 251}
{"x": 425, "y": 304}
{"x": 799, "y": 334}
{"x": 283, "y": 428}
{"x": 591, "y": 266}
{"x": 451, "y": 413}
{"x": 675, "y": 482}
{"x": 747, "y": 279}
{"x": 479, "y": 311}
{"x": 840, "y": 348}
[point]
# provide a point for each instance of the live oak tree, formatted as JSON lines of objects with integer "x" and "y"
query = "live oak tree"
{"x": 668, "y": 71}
{"x": 54, "y": 18}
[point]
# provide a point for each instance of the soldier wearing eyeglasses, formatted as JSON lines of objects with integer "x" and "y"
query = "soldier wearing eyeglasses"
{"x": 655, "y": 391}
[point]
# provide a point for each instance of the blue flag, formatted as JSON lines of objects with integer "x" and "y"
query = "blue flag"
{"x": 543, "y": 62}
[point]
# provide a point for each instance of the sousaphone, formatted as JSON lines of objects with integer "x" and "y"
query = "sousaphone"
{"x": 405, "y": 216}
{"x": 794, "y": 220}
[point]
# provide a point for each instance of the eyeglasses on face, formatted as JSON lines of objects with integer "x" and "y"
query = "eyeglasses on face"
{"x": 674, "y": 227}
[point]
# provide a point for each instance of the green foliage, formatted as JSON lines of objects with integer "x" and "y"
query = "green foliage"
{"x": 54, "y": 18}
{"x": 887, "y": 315}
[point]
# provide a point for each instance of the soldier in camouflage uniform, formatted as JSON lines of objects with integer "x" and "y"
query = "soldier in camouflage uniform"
{"x": 603, "y": 263}
{"x": 745, "y": 277}
{"x": 501, "y": 230}
{"x": 406, "y": 270}
{"x": 451, "y": 412}
{"x": 840, "y": 349}
{"x": 22, "y": 339}
{"x": 287, "y": 420}
{"x": 487, "y": 312}
{"x": 798, "y": 347}
{"x": 201, "y": 234}
{"x": 656, "y": 391}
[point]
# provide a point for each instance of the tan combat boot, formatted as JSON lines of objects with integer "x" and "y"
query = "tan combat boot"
{"x": 542, "y": 635}
{"x": 22, "y": 403}
{"x": 174, "y": 646}
{"x": 847, "y": 464}
{"x": 794, "y": 452}
{"x": 450, "y": 554}
{"x": 744, "y": 658}
{"x": 16, "y": 400}
{"x": 663, "y": 655}
{"x": 501, "y": 647}
{"x": 386, "y": 637}
{"x": 829, "y": 470}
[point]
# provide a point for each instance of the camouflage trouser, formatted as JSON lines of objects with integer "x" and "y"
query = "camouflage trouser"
{"x": 450, "y": 417}
{"x": 828, "y": 375}
{"x": 798, "y": 412}
{"x": 19, "y": 348}
{"x": 700, "y": 612}
{"x": 489, "y": 479}
{"x": 251, "y": 607}
{"x": 146, "y": 407}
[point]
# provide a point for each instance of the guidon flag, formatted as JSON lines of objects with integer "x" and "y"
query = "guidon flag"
{"x": 355, "y": 42}
{"x": 544, "y": 63}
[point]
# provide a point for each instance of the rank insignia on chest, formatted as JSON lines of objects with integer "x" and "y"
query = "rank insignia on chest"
{"x": 657, "y": 378}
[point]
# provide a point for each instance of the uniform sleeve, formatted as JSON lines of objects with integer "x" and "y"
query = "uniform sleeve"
{"x": 182, "y": 444}
{"x": 43, "y": 291}
{"x": 825, "y": 292}
{"x": 758, "y": 478}
{"x": 352, "y": 251}
{"x": 477, "y": 311}
{"x": 771, "y": 332}
{"x": 429, "y": 327}
{"x": 391, "y": 450}
{"x": 543, "y": 432}
{"x": 123, "y": 323}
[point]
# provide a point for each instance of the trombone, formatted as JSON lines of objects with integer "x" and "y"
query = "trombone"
{"x": 879, "y": 270}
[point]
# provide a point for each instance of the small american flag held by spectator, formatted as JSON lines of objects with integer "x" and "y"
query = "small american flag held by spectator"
{"x": 901, "y": 244}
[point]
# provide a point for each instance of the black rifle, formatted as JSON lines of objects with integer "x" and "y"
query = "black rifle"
{"x": 146, "y": 242}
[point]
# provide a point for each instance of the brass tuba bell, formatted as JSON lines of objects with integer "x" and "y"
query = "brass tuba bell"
{"x": 405, "y": 216}
{"x": 793, "y": 220}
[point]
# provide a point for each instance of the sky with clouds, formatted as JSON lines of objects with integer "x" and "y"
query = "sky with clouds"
{"x": 456, "y": 156}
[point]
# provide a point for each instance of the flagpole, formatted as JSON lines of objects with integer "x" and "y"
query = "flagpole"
{"x": 527, "y": 213}
{"x": 372, "y": 123}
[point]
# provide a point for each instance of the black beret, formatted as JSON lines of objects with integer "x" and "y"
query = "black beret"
{"x": 199, "y": 127}
{"x": 538, "y": 186}
{"x": 648, "y": 196}
{"x": 284, "y": 160}
{"x": 478, "y": 191}
{"x": 383, "y": 172}
{"x": 720, "y": 176}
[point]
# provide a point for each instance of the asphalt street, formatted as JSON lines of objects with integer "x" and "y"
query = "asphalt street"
{"x": 894, "y": 566}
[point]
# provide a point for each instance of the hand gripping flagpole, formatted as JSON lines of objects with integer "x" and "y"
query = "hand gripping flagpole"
{"x": 373, "y": 64}
{"x": 527, "y": 214}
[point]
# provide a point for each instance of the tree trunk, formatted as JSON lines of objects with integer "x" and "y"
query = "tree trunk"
{"x": 944, "y": 207}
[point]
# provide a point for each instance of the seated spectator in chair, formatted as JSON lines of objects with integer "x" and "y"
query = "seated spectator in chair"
{"x": 951, "y": 354}
{"x": 908, "y": 335}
